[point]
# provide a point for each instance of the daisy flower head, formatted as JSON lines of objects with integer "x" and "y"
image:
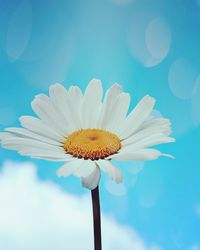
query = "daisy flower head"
{"x": 86, "y": 131}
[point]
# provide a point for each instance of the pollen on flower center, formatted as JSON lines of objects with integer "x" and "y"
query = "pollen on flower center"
{"x": 92, "y": 144}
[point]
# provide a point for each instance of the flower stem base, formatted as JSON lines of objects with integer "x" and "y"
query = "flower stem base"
{"x": 96, "y": 218}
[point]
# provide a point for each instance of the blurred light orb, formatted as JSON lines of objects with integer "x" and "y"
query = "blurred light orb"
{"x": 136, "y": 167}
{"x": 158, "y": 38}
{"x": 53, "y": 68}
{"x": 151, "y": 192}
{"x": 44, "y": 34}
{"x": 7, "y": 116}
{"x": 44, "y": 51}
{"x": 19, "y": 31}
{"x": 115, "y": 189}
{"x": 181, "y": 78}
{"x": 197, "y": 209}
{"x": 149, "y": 38}
{"x": 195, "y": 103}
{"x": 195, "y": 247}
{"x": 130, "y": 180}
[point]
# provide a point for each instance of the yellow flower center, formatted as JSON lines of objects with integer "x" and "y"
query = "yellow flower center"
{"x": 92, "y": 144}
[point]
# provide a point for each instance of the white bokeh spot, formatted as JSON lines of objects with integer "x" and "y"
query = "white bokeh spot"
{"x": 53, "y": 68}
{"x": 19, "y": 31}
{"x": 135, "y": 167}
{"x": 116, "y": 189}
{"x": 151, "y": 192}
{"x": 158, "y": 39}
{"x": 195, "y": 103}
{"x": 195, "y": 247}
{"x": 197, "y": 209}
{"x": 149, "y": 38}
{"x": 182, "y": 78}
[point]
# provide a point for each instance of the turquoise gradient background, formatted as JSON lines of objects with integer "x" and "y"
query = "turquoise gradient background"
{"x": 150, "y": 47}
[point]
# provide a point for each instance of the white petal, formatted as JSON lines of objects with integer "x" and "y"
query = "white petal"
{"x": 34, "y": 124}
{"x": 92, "y": 181}
{"x": 110, "y": 170}
{"x": 46, "y": 155}
{"x": 69, "y": 168}
{"x": 18, "y": 143}
{"x": 26, "y": 133}
{"x": 141, "y": 155}
{"x": 162, "y": 124}
{"x": 86, "y": 168}
{"x": 46, "y": 152}
{"x": 48, "y": 158}
{"x": 59, "y": 96}
{"x": 46, "y": 111}
{"x": 57, "y": 92}
{"x": 119, "y": 111}
{"x": 109, "y": 100}
{"x": 147, "y": 141}
{"x": 168, "y": 155}
{"x": 35, "y": 149}
{"x": 91, "y": 104}
{"x": 68, "y": 104}
{"x": 5, "y": 135}
{"x": 136, "y": 118}
{"x": 75, "y": 99}
{"x": 149, "y": 134}
{"x": 142, "y": 134}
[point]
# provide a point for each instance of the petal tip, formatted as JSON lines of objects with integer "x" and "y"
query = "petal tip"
{"x": 150, "y": 98}
{"x": 169, "y": 156}
{"x": 95, "y": 81}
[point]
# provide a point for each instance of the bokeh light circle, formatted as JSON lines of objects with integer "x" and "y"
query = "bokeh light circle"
{"x": 53, "y": 68}
{"x": 19, "y": 31}
{"x": 182, "y": 77}
{"x": 116, "y": 189}
{"x": 158, "y": 38}
{"x": 151, "y": 192}
{"x": 195, "y": 103}
{"x": 135, "y": 167}
{"x": 149, "y": 38}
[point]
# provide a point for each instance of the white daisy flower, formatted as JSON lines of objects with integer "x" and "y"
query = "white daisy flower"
{"x": 87, "y": 133}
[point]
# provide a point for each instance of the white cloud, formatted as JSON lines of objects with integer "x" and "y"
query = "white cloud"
{"x": 38, "y": 215}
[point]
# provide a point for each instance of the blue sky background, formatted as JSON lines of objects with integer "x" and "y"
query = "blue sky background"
{"x": 150, "y": 47}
